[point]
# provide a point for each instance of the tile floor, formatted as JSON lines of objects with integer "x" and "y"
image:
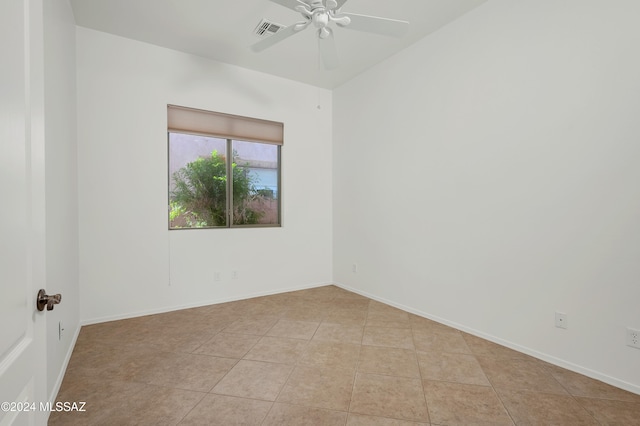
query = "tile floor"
{"x": 322, "y": 356}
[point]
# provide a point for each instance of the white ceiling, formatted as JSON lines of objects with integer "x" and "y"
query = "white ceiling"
{"x": 223, "y": 30}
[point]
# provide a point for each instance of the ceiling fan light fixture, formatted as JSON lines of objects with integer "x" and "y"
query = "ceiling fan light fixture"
{"x": 324, "y": 32}
{"x": 320, "y": 18}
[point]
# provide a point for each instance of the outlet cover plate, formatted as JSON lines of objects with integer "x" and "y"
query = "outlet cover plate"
{"x": 561, "y": 320}
{"x": 633, "y": 338}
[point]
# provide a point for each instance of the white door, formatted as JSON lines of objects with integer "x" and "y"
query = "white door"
{"x": 22, "y": 263}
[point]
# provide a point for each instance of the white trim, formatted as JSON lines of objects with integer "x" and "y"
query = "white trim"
{"x": 63, "y": 370}
{"x": 198, "y": 304}
{"x": 539, "y": 355}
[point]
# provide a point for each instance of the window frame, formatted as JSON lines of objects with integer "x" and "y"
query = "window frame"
{"x": 229, "y": 139}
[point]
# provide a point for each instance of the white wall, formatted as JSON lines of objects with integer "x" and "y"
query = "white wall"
{"x": 488, "y": 176}
{"x": 129, "y": 262}
{"x": 61, "y": 185}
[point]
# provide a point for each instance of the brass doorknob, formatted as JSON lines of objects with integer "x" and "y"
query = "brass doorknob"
{"x": 45, "y": 300}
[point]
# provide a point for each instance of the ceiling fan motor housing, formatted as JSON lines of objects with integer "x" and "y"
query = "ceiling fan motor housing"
{"x": 320, "y": 18}
{"x": 322, "y": 13}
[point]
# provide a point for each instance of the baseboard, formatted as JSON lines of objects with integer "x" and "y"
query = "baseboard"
{"x": 63, "y": 370}
{"x": 539, "y": 355}
{"x": 166, "y": 309}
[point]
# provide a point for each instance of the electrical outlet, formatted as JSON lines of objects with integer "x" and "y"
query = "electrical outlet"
{"x": 216, "y": 276}
{"x": 633, "y": 338}
{"x": 234, "y": 275}
{"x": 354, "y": 268}
{"x": 561, "y": 320}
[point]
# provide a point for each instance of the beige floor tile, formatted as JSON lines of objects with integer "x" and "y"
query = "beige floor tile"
{"x": 109, "y": 360}
{"x": 389, "y": 361}
{"x": 346, "y": 294}
{"x": 388, "y": 337}
{"x": 294, "y": 329}
{"x": 305, "y": 314}
{"x": 519, "y": 374}
{"x": 128, "y": 361}
{"x": 346, "y": 317}
{"x": 358, "y": 301}
{"x": 320, "y": 293}
{"x": 255, "y": 325}
{"x": 174, "y": 336}
{"x": 392, "y": 317}
{"x": 376, "y": 307}
{"x": 228, "y": 345}
{"x": 579, "y": 385}
{"x": 381, "y": 322}
{"x": 111, "y": 403}
{"x": 481, "y": 347}
{"x": 293, "y": 415}
{"x": 319, "y": 387}
{"x": 386, "y": 396}
{"x": 379, "y": 310}
{"x": 330, "y": 355}
{"x": 421, "y": 323}
{"x": 177, "y": 343}
{"x": 162, "y": 406}
{"x": 609, "y": 412}
{"x": 360, "y": 420}
{"x": 340, "y": 293}
{"x": 185, "y": 371}
{"x": 112, "y": 332}
{"x": 105, "y": 399}
{"x": 450, "y": 367}
{"x": 254, "y": 379}
{"x": 220, "y": 410}
{"x": 354, "y": 304}
{"x": 460, "y": 404}
{"x": 267, "y": 310}
{"x": 341, "y": 333}
{"x": 277, "y": 349}
{"x": 530, "y": 408}
{"x": 440, "y": 341}
{"x": 325, "y": 352}
{"x": 223, "y": 318}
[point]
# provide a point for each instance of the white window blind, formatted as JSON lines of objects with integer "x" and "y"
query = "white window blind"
{"x": 227, "y": 126}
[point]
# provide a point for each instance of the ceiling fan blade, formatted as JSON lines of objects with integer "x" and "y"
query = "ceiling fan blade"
{"x": 340, "y": 3}
{"x": 374, "y": 24}
{"x": 290, "y": 4}
{"x": 277, "y": 37}
{"x": 328, "y": 51}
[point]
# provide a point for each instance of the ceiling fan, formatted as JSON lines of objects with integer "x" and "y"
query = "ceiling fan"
{"x": 321, "y": 13}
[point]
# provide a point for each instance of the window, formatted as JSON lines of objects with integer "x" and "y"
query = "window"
{"x": 205, "y": 149}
